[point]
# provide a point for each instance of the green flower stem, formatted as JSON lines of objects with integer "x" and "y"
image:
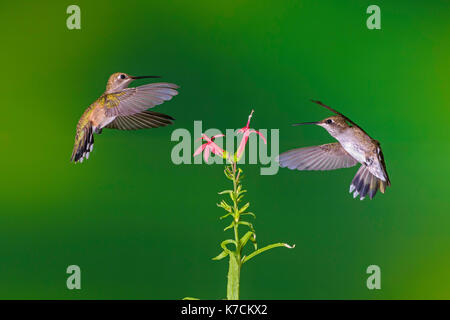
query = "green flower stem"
{"x": 234, "y": 272}
{"x": 234, "y": 269}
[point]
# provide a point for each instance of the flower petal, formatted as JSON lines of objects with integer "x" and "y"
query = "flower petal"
{"x": 206, "y": 154}
{"x": 260, "y": 134}
{"x": 204, "y": 137}
{"x": 200, "y": 149}
{"x": 216, "y": 149}
{"x": 217, "y": 136}
{"x": 241, "y": 147}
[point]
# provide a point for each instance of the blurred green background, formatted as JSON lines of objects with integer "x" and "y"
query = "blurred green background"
{"x": 141, "y": 227}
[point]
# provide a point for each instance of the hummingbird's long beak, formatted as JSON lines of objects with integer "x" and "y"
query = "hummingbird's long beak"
{"x": 300, "y": 124}
{"x": 145, "y": 77}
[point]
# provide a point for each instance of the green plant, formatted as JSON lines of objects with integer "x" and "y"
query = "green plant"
{"x": 233, "y": 248}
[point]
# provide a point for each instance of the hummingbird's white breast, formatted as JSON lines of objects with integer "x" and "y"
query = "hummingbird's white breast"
{"x": 352, "y": 145}
{"x": 361, "y": 147}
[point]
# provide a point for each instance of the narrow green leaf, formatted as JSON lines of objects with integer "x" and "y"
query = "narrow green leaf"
{"x": 223, "y": 204}
{"x": 224, "y": 216}
{"x": 228, "y": 173}
{"x": 243, "y": 241}
{"x": 222, "y": 255}
{"x": 249, "y": 213}
{"x": 224, "y": 245}
{"x": 225, "y": 191}
{"x": 245, "y": 207}
{"x": 230, "y": 226}
{"x": 248, "y": 224}
{"x": 190, "y": 298}
{"x": 271, "y": 246}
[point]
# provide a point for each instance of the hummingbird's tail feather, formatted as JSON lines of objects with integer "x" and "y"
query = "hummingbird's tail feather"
{"x": 84, "y": 143}
{"x": 365, "y": 183}
{"x": 142, "y": 120}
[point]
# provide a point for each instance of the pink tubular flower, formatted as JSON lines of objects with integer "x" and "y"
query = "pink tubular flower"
{"x": 246, "y": 132}
{"x": 209, "y": 147}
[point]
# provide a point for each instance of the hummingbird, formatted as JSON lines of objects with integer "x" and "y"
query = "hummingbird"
{"x": 354, "y": 146}
{"x": 122, "y": 108}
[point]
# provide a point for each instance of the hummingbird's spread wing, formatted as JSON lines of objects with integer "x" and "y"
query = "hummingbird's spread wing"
{"x": 329, "y": 156}
{"x": 135, "y": 100}
{"x": 145, "y": 119}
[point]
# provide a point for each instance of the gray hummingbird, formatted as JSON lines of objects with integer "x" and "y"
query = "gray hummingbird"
{"x": 122, "y": 108}
{"x": 354, "y": 146}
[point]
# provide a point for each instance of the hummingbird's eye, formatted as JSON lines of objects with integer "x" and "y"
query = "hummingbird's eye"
{"x": 329, "y": 121}
{"x": 122, "y": 76}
